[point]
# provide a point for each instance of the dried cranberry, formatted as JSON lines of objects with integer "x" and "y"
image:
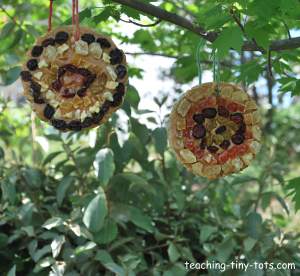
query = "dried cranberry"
{"x": 87, "y": 122}
{"x": 198, "y": 131}
{"x": 116, "y": 56}
{"x": 237, "y": 139}
{"x": 209, "y": 112}
{"x": 37, "y": 51}
{"x": 203, "y": 143}
{"x": 117, "y": 99}
{"x": 198, "y": 118}
{"x": 212, "y": 149}
{"x": 81, "y": 92}
{"x": 220, "y": 129}
{"x": 61, "y": 37}
{"x": 225, "y": 144}
{"x": 25, "y": 76}
{"x": 59, "y": 124}
{"x": 56, "y": 85}
{"x": 84, "y": 72}
{"x": 49, "y": 111}
{"x": 47, "y": 42}
{"x": 74, "y": 125}
{"x": 237, "y": 117}
{"x": 121, "y": 71}
{"x": 88, "y": 38}
{"x": 104, "y": 42}
{"x": 222, "y": 111}
{"x": 32, "y": 64}
{"x": 120, "y": 88}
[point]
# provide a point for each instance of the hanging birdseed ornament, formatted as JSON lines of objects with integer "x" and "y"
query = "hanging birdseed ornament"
{"x": 74, "y": 78}
{"x": 214, "y": 129}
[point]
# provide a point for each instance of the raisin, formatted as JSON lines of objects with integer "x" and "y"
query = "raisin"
{"x": 104, "y": 43}
{"x": 61, "y": 37}
{"x": 35, "y": 89}
{"x": 237, "y": 139}
{"x": 47, "y": 42}
{"x": 89, "y": 80}
{"x": 237, "y": 117}
{"x": 241, "y": 129}
{"x": 74, "y": 125}
{"x": 97, "y": 117}
{"x": 212, "y": 149}
{"x": 59, "y": 124}
{"x": 56, "y": 85}
{"x": 49, "y": 111}
{"x": 222, "y": 111}
{"x": 68, "y": 94}
{"x": 198, "y": 118}
{"x": 32, "y": 64}
{"x": 87, "y": 122}
{"x": 71, "y": 68}
{"x": 61, "y": 71}
{"x": 220, "y": 129}
{"x": 203, "y": 143}
{"x": 198, "y": 131}
{"x": 209, "y": 112}
{"x": 225, "y": 144}
{"x": 37, "y": 51}
{"x": 88, "y": 38}
{"x": 25, "y": 76}
{"x": 38, "y": 100}
{"x": 116, "y": 56}
{"x": 117, "y": 99}
{"x": 81, "y": 92}
{"x": 105, "y": 107}
{"x": 121, "y": 71}
{"x": 84, "y": 72}
{"x": 120, "y": 88}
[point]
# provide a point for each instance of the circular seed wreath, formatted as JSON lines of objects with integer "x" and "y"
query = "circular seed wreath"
{"x": 214, "y": 136}
{"x": 74, "y": 84}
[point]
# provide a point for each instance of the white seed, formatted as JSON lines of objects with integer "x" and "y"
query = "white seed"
{"x": 95, "y": 50}
{"x": 38, "y": 75}
{"x": 111, "y": 72}
{"x": 42, "y": 63}
{"x": 108, "y": 96}
{"x": 81, "y": 47}
{"x": 83, "y": 115}
{"x": 57, "y": 114}
{"x": 188, "y": 156}
{"x": 106, "y": 58}
{"x": 50, "y": 53}
{"x": 50, "y": 95}
{"x": 111, "y": 85}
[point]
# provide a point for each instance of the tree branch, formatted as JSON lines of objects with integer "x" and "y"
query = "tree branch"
{"x": 148, "y": 9}
{"x": 140, "y": 24}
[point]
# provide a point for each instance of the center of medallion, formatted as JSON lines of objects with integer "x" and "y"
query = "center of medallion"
{"x": 72, "y": 81}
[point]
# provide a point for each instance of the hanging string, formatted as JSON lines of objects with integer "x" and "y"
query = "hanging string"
{"x": 50, "y": 15}
{"x": 199, "y": 49}
{"x": 77, "y": 30}
{"x": 73, "y": 12}
{"x": 216, "y": 70}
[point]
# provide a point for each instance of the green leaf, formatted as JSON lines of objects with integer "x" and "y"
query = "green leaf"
{"x": 86, "y": 13}
{"x": 62, "y": 188}
{"x": 12, "y": 271}
{"x": 51, "y": 156}
{"x": 132, "y": 96}
{"x": 108, "y": 232}
{"x": 231, "y": 37}
{"x": 206, "y": 231}
{"x": 2, "y": 153}
{"x": 140, "y": 219}
{"x": 253, "y": 225}
{"x": 249, "y": 244}
{"x": 6, "y": 30}
{"x": 160, "y": 139}
{"x": 103, "y": 16}
{"x": 56, "y": 245}
{"x": 96, "y": 212}
{"x": 52, "y": 222}
{"x": 173, "y": 252}
{"x": 105, "y": 165}
{"x": 86, "y": 247}
{"x": 8, "y": 191}
{"x": 106, "y": 260}
{"x": 225, "y": 249}
{"x": 11, "y": 75}
{"x": 294, "y": 190}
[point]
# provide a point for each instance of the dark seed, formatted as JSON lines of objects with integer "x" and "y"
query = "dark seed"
{"x": 81, "y": 91}
{"x": 32, "y": 64}
{"x": 59, "y": 124}
{"x": 35, "y": 89}
{"x": 37, "y": 51}
{"x": 198, "y": 118}
{"x": 49, "y": 111}
{"x": 97, "y": 117}
{"x": 222, "y": 111}
{"x": 203, "y": 144}
{"x": 241, "y": 129}
{"x": 121, "y": 71}
{"x": 237, "y": 117}
{"x": 61, "y": 71}
{"x": 87, "y": 122}
{"x": 84, "y": 72}
{"x": 61, "y": 37}
{"x": 116, "y": 56}
{"x": 25, "y": 76}
{"x": 225, "y": 144}
{"x": 209, "y": 112}
{"x": 74, "y": 125}
{"x": 89, "y": 80}
{"x": 71, "y": 68}
{"x": 212, "y": 149}
{"x": 237, "y": 139}
{"x": 47, "y": 42}
{"x": 199, "y": 131}
{"x": 38, "y": 100}
{"x": 105, "y": 107}
{"x": 117, "y": 99}
{"x": 120, "y": 88}
{"x": 88, "y": 38}
{"x": 56, "y": 85}
{"x": 220, "y": 129}
{"x": 104, "y": 42}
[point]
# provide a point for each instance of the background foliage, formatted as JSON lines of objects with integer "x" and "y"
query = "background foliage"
{"x": 114, "y": 200}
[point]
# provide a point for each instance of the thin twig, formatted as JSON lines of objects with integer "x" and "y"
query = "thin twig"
{"x": 270, "y": 65}
{"x": 11, "y": 17}
{"x": 287, "y": 29}
{"x": 141, "y": 25}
